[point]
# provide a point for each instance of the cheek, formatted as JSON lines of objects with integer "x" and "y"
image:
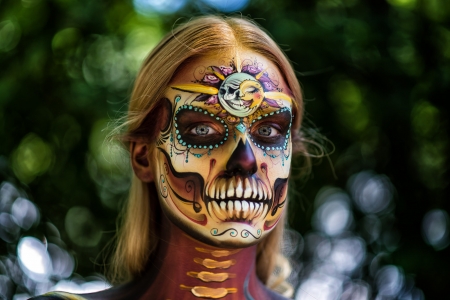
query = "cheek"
{"x": 180, "y": 191}
{"x": 277, "y": 163}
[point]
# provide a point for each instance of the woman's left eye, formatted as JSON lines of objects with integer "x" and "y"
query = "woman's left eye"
{"x": 267, "y": 131}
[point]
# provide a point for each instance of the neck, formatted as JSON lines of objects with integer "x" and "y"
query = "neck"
{"x": 184, "y": 268}
{"x": 187, "y": 267}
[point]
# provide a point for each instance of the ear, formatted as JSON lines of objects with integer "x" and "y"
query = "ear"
{"x": 140, "y": 160}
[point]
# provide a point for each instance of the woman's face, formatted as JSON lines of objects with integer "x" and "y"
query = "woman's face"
{"x": 222, "y": 163}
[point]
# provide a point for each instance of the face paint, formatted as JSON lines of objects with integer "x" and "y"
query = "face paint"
{"x": 222, "y": 163}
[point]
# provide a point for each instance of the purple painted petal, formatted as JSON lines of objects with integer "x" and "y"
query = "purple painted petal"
{"x": 212, "y": 100}
{"x": 271, "y": 102}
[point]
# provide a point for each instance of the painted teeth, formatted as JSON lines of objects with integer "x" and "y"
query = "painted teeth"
{"x": 237, "y": 205}
{"x": 237, "y": 210}
{"x": 245, "y": 209}
{"x": 211, "y": 212}
{"x": 230, "y": 209}
{"x": 230, "y": 191}
{"x": 223, "y": 189}
{"x": 260, "y": 192}
{"x": 258, "y": 210}
{"x": 218, "y": 211}
{"x": 266, "y": 207}
{"x": 248, "y": 191}
{"x": 253, "y": 210}
{"x": 238, "y": 188}
{"x": 238, "y": 199}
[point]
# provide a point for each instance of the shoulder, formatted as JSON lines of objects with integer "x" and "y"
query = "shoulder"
{"x": 58, "y": 296}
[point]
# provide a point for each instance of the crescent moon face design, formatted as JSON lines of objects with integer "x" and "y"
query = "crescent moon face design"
{"x": 241, "y": 94}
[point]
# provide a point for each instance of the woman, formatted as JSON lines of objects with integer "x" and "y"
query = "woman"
{"x": 213, "y": 122}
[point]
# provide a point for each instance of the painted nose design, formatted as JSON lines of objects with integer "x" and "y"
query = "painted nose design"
{"x": 242, "y": 161}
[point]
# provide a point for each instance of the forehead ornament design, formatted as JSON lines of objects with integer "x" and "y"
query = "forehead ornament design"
{"x": 239, "y": 93}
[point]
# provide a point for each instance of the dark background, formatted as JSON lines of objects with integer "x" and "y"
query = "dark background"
{"x": 375, "y": 76}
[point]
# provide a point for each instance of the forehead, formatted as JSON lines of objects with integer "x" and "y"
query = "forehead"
{"x": 243, "y": 61}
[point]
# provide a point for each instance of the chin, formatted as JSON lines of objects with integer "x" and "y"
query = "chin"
{"x": 225, "y": 235}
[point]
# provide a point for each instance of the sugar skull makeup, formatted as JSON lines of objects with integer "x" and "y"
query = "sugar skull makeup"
{"x": 223, "y": 161}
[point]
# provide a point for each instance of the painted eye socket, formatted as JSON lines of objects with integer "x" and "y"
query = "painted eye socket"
{"x": 272, "y": 131}
{"x": 198, "y": 128}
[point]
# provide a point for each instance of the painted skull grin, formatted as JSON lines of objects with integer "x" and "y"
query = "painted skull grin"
{"x": 238, "y": 199}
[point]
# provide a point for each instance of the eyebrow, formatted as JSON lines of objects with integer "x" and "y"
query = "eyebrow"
{"x": 283, "y": 118}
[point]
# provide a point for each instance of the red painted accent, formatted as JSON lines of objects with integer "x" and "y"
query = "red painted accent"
{"x": 212, "y": 163}
{"x": 265, "y": 171}
{"x": 270, "y": 227}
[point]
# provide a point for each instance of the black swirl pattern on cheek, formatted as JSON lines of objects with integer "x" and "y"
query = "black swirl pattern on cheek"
{"x": 189, "y": 187}
{"x": 279, "y": 190}
{"x": 193, "y": 185}
{"x": 215, "y": 232}
{"x": 163, "y": 186}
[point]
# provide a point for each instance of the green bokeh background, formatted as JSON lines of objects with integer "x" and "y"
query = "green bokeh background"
{"x": 375, "y": 74}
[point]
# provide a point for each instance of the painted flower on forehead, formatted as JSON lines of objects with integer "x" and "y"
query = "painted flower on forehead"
{"x": 212, "y": 100}
{"x": 226, "y": 70}
{"x": 251, "y": 69}
{"x": 210, "y": 78}
{"x": 240, "y": 93}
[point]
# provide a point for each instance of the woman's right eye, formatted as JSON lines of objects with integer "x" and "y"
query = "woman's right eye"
{"x": 203, "y": 129}
{"x": 199, "y": 129}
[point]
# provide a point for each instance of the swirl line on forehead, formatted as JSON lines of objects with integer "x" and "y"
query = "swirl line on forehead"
{"x": 278, "y": 96}
{"x": 196, "y": 88}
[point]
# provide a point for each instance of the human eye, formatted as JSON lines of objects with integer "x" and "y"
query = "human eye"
{"x": 202, "y": 130}
{"x": 268, "y": 131}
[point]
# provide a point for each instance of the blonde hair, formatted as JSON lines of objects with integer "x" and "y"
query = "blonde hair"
{"x": 200, "y": 36}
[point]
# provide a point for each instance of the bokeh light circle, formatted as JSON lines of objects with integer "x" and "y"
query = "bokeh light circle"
{"x": 227, "y": 5}
{"x": 435, "y": 228}
{"x": 333, "y": 215}
{"x": 34, "y": 259}
{"x": 371, "y": 193}
{"x": 148, "y": 7}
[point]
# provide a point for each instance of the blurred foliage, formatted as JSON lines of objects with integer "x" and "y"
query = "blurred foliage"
{"x": 375, "y": 77}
